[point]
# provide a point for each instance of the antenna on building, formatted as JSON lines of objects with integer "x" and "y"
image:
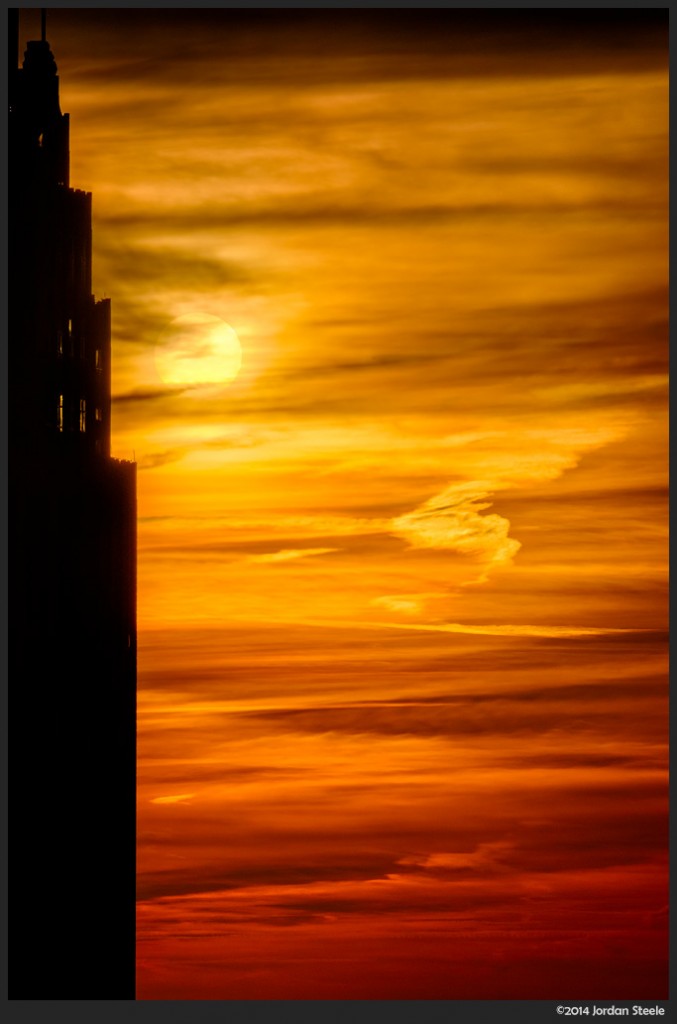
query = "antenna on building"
{"x": 43, "y": 24}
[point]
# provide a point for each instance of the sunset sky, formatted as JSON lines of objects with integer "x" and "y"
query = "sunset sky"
{"x": 402, "y": 581}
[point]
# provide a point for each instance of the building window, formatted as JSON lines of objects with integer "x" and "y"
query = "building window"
{"x": 60, "y": 414}
{"x": 83, "y": 415}
{"x": 70, "y": 328}
{"x": 98, "y": 415}
{"x": 59, "y": 342}
{"x": 97, "y": 359}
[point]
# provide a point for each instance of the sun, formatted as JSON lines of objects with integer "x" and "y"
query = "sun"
{"x": 198, "y": 348}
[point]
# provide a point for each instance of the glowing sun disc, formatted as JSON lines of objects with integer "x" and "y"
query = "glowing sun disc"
{"x": 198, "y": 348}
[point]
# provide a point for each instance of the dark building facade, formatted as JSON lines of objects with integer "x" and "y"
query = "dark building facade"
{"x": 72, "y": 581}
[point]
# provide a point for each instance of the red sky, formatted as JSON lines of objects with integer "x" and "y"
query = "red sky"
{"x": 402, "y": 581}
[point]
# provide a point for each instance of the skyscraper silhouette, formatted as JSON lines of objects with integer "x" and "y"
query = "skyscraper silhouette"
{"x": 72, "y": 581}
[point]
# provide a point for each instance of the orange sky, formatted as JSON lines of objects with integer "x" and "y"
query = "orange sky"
{"x": 402, "y": 583}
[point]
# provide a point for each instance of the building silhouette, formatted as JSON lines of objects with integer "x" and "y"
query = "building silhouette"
{"x": 72, "y": 581}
